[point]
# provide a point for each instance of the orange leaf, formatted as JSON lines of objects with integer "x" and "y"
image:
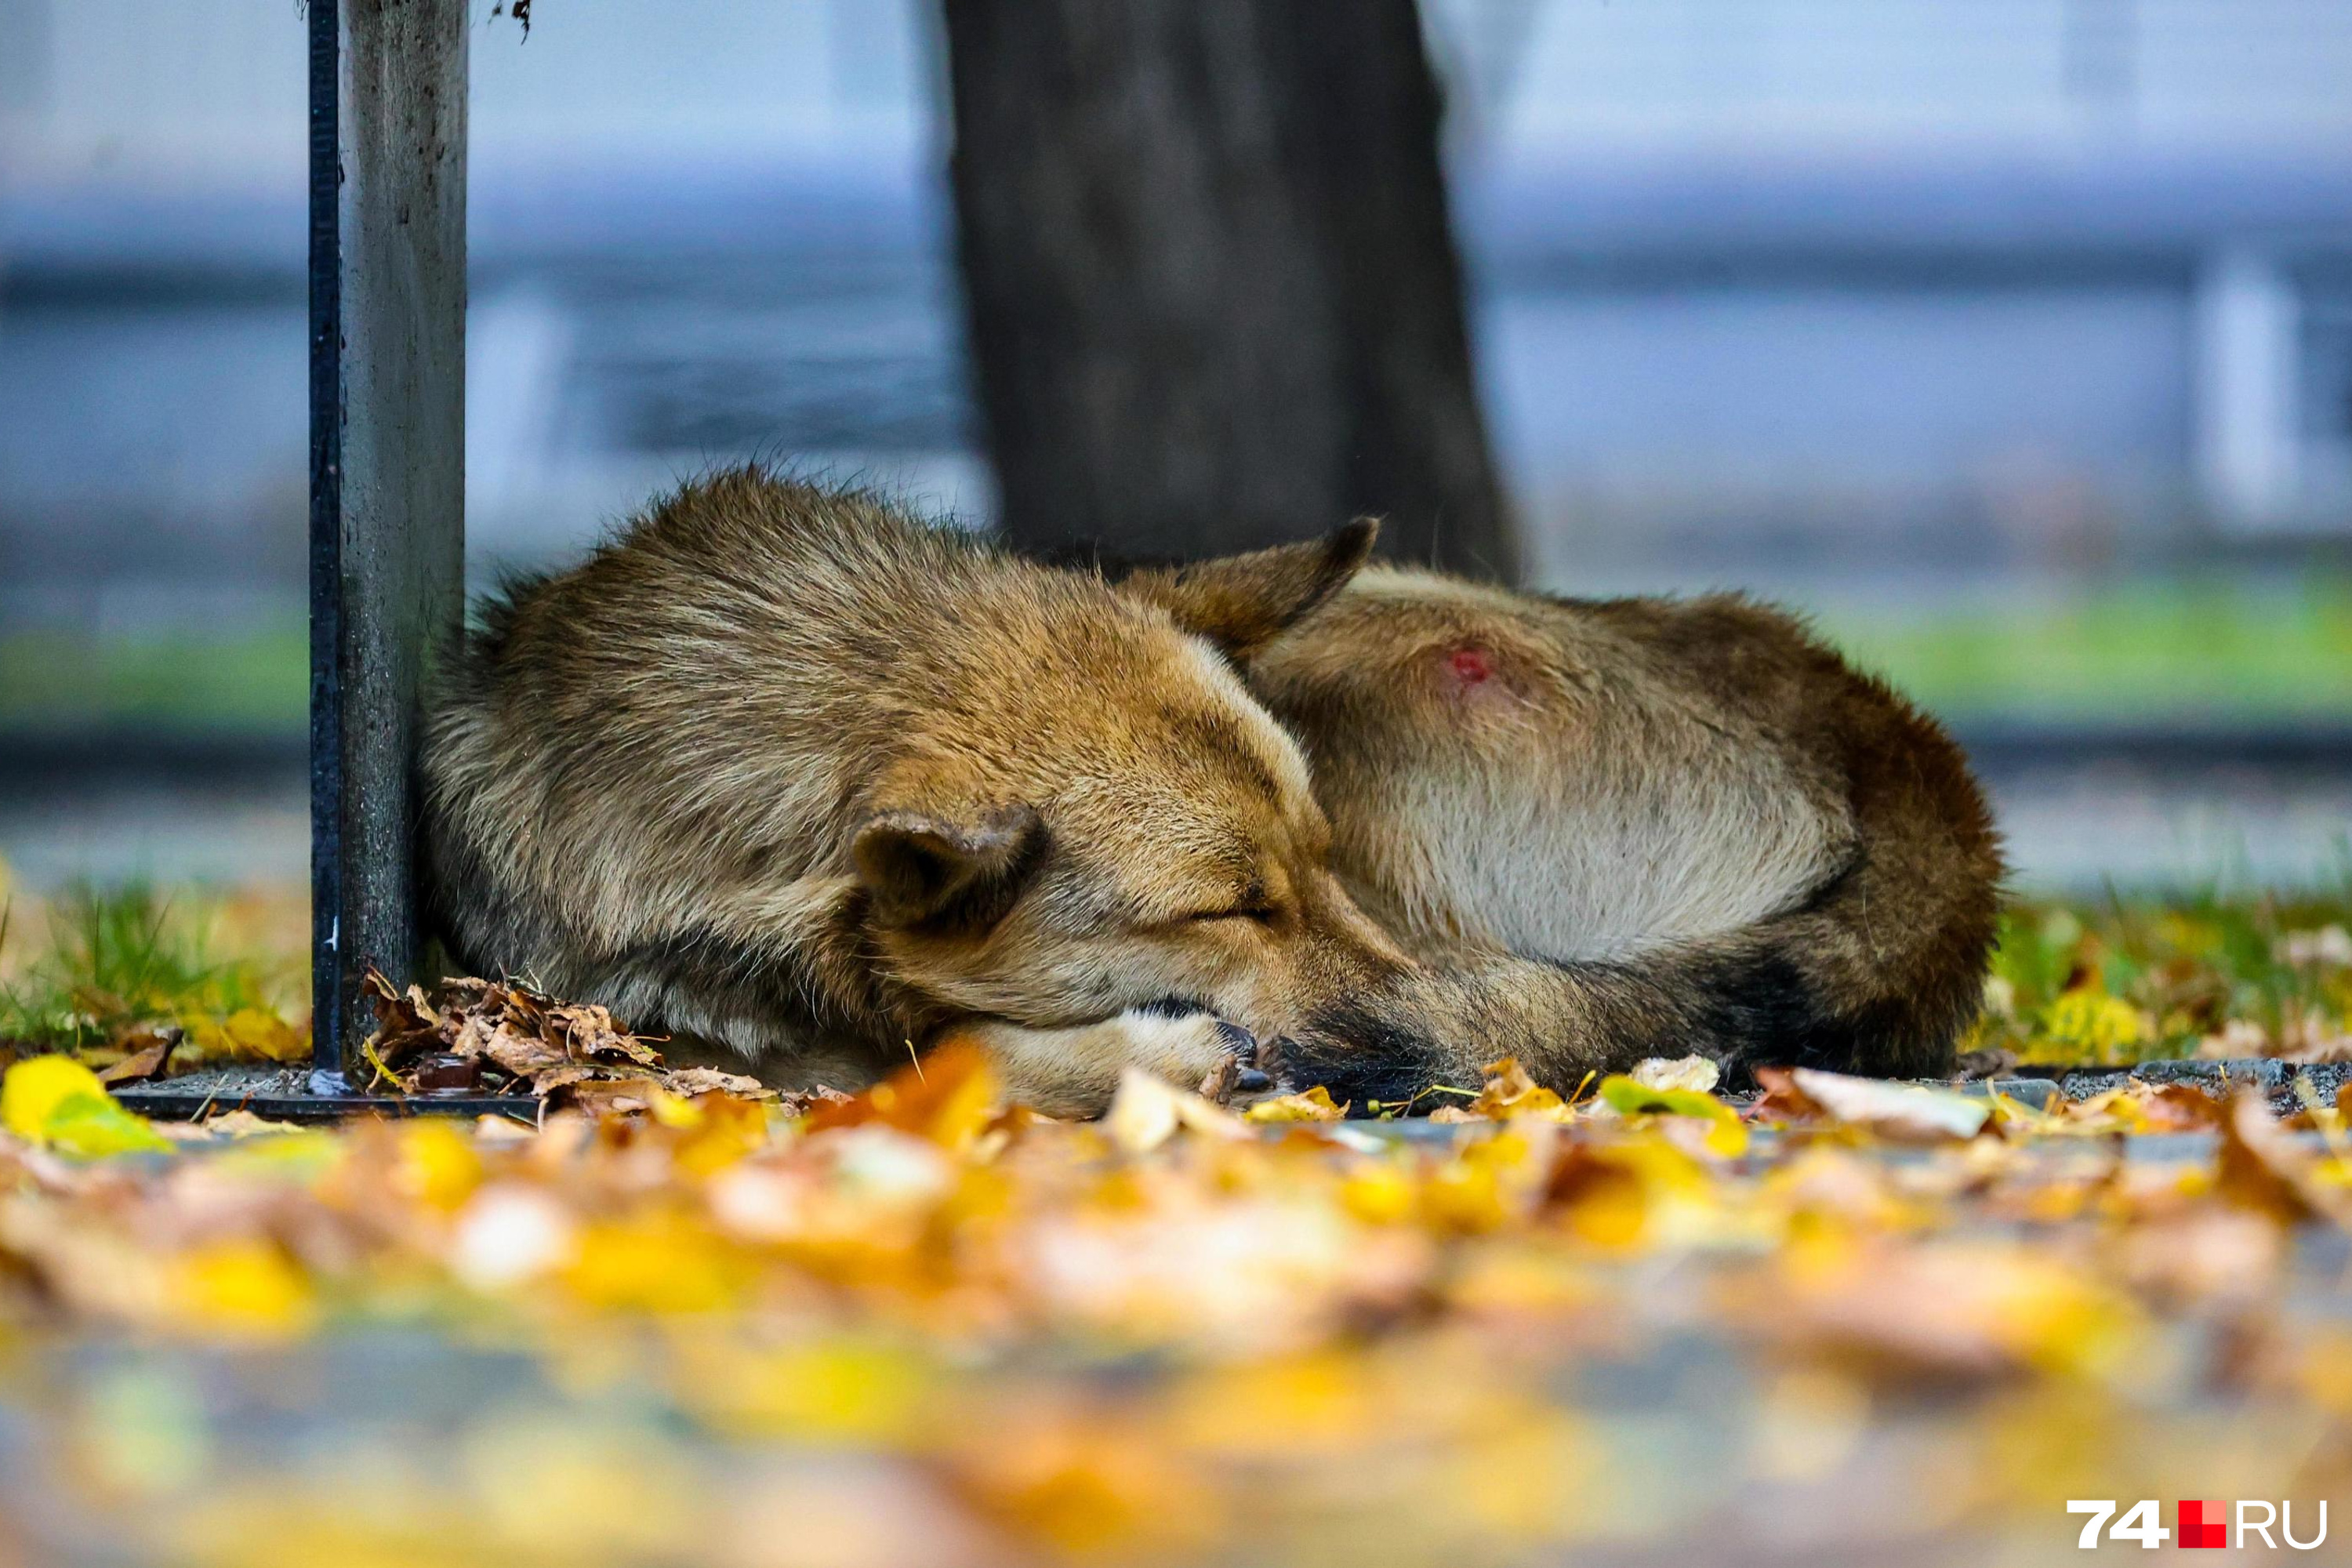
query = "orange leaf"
{"x": 946, "y": 1097}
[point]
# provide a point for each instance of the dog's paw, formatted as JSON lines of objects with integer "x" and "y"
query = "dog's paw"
{"x": 1191, "y": 1049}
{"x": 1074, "y": 1071}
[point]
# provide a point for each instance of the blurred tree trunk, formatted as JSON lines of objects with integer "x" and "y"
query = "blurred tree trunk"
{"x": 1213, "y": 299}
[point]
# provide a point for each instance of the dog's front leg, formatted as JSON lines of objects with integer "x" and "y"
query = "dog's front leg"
{"x": 1074, "y": 1071}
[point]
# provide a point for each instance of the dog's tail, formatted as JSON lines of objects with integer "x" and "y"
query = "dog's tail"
{"x": 1879, "y": 970}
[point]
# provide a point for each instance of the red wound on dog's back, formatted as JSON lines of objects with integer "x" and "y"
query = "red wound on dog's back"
{"x": 1470, "y": 666}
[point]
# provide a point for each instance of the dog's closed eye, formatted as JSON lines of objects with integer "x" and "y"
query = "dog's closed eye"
{"x": 1249, "y": 902}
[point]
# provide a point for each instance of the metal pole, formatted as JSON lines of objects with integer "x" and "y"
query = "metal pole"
{"x": 388, "y": 471}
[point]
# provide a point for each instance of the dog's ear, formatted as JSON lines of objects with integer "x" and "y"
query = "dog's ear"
{"x": 1241, "y": 603}
{"x": 921, "y": 867}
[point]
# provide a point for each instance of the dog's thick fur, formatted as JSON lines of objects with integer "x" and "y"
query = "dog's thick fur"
{"x": 1668, "y": 827}
{"x": 782, "y": 769}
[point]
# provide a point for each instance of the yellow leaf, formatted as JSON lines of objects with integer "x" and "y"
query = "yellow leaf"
{"x": 723, "y": 1129}
{"x": 1378, "y": 1194}
{"x": 2095, "y": 1023}
{"x": 656, "y": 1265}
{"x": 58, "y": 1103}
{"x": 1510, "y": 1092}
{"x": 248, "y": 1035}
{"x": 840, "y": 1391}
{"x": 1314, "y": 1105}
{"x": 1726, "y": 1134}
{"x": 439, "y": 1166}
{"x": 253, "y": 1032}
{"x": 246, "y": 1287}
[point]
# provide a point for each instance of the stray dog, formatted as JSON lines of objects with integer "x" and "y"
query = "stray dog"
{"x": 782, "y": 769}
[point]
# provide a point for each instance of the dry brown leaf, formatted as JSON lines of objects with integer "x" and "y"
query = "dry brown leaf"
{"x": 2262, "y": 1168}
{"x": 804, "y": 1102}
{"x": 1217, "y": 1085}
{"x": 2179, "y": 1108}
{"x": 538, "y": 1044}
{"x": 603, "y": 1096}
{"x": 689, "y": 1083}
{"x": 149, "y": 1059}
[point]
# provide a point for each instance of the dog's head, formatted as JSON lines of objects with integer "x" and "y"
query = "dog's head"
{"x": 1103, "y": 819}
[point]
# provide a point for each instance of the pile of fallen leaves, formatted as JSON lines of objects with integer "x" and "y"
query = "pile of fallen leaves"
{"x": 477, "y": 1037}
{"x": 1845, "y": 1321}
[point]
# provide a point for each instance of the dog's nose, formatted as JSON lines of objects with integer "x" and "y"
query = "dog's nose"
{"x": 1241, "y": 1045}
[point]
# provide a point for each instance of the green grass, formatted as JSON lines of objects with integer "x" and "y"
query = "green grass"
{"x": 105, "y": 963}
{"x": 254, "y": 678}
{"x": 2182, "y": 968}
{"x": 2137, "y": 650}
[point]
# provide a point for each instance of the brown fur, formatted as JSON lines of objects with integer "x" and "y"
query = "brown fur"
{"x": 1629, "y": 827}
{"x": 782, "y": 769}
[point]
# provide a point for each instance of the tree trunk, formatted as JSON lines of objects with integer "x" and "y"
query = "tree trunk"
{"x": 1212, "y": 296}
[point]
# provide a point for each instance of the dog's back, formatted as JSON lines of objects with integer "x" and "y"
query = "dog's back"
{"x": 1704, "y": 830}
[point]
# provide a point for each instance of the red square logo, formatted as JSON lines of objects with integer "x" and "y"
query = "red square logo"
{"x": 2201, "y": 1523}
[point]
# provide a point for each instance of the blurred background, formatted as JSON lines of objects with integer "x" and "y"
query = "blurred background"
{"x": 2010, "y": 339}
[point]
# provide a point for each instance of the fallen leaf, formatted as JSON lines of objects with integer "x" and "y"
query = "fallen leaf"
{"x": 1217, "y": 1085}
{"x": 527, "y": 1041}
{"x": 2092, "y": 1025}
{"x": 1310, "y": 1105}
{"x": 1147, "y": 1111}
{"x": 243, "y": 1123}
{"x": 947, "y": 1098}
{"x": 1692, "y": 1072}
{"x": 1902, "y": 1112}
{"x": 804, "y": 1102}
{"x": 687, "y": 1083}
{"x": 1509, "y": 1092}
{"x": 54, "y": 1102}
{"x": 2262, "y": 1168}
{"x": 1961, "y": 1312}
{"x": 147, "y": 1061}
{"x": 1726, "y": 1135}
